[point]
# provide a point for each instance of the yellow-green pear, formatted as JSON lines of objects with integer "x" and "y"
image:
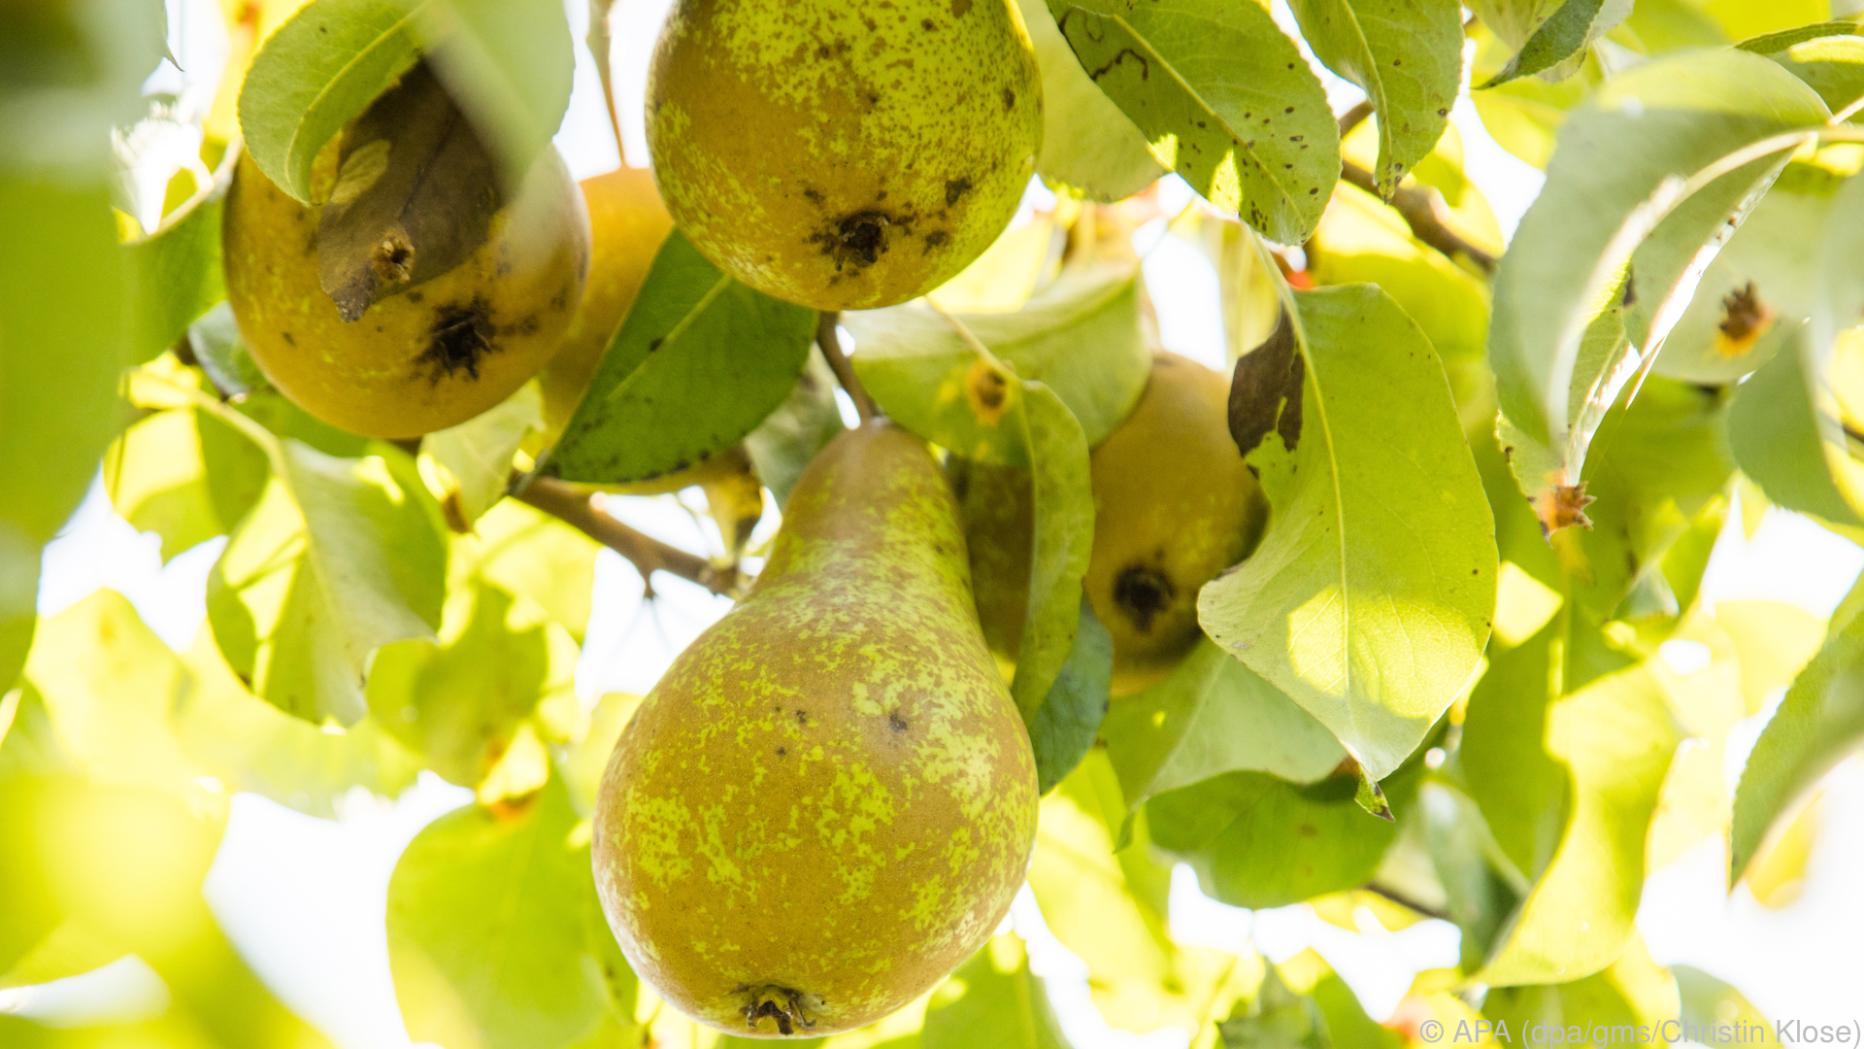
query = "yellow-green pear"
{"x": 843, "y": 155}
{"x": 1174, "y": 504}
{"x": 829, "y": 800}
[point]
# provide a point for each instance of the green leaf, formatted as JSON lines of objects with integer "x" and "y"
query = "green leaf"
{"x": 1062, "y": 540}
{"x": 994, "y": 1000}
{"x": 185, "y": 476}
{"x": 1569, "y": 30}
{"x": 1820, "y": 721}
{"x": 177, "y": 274}
{"x": 339, "y": 557}
{"x": 1710, "y": 1005}
{"x": 698, "y": 363}
{"x": 1785, "y": 432}
{"x": 1633, "y": 991}
{"x": 1741, "y": 19}
{"x": 1087, "y": 143}
{"x": 1766, "y": 260}
{"x": 476, "y": 455}
{"x": 1478, "y": 897}
{"x": 537, "y": 557}
{"x": 19, "y": 598}
{"x": 1080, "y": 335}
{"x": 1226, "y": 100}
{"x": 252, "y": 746}
{"x": 1408, "y": 58}
{"x": 1277, "y": 1018}
{"x": 784, "y": 443}
{"x": 495, "y": 936}
{"x": 1258, "y": 841}
{"x": 315, "y": 74}
{"x": 1213, "y": 715}
{"x": 1536, "y": 746}
{"x": 222, "y": 354}
{"x": 1677, "y": 126}
{"x": 1829, "y": 58}
{"x": 459, "y": 701}
{"x": 1368, "y": 600}
{"x": 1064, "y": 725}
{"x": 509, "y": 62}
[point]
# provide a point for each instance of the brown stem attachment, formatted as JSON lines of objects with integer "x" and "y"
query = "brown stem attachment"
{"x": 830, "y": 345}
{"x": 577, "y": 509}
{"x": 1424, "y": 211}
{"x": 601, "y": 48}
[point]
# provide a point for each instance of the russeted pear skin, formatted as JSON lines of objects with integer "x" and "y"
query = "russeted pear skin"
{"x": 843, "y": 155}
{"x": 424, "y": 359}
{"x": 829, "y": 800}
{"x": 1174, "y": 505}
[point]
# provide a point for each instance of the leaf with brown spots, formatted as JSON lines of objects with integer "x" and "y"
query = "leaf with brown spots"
{"x": 1265, "y": 393}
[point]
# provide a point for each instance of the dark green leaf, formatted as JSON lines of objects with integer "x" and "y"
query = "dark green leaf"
{"x": 1570, "y": 29}
{"x": 698, "y": 363}
{"x": 1063, "y": 538}
{"x": 1087, "y": 142}
{"x": 1064, "y": 725}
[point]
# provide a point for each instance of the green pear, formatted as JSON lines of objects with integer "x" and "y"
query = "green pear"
{"x": 829, "y": 800}
{"x": 844, "y": 155}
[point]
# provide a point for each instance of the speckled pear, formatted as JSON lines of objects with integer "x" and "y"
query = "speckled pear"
{"x": 843, "y": 155}
{"x": 829, "y": 800}
{"x": 1174, "y": 505}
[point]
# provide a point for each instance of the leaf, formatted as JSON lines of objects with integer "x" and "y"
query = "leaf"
{"x": 1785, "y": 432}
{"x": 1830, "y": 61}
{"x": 1532, "y": 739}
{"x": 788, "y": 438}
{"x": 1570, "y": 29}
{"x": 1478, "y": 897}
{"x": 510, "y": 64}
{"x": 1079, "y": 335}
{"x": 1258, "y": 841}
{"x": 460, "y": 702}
{"x": 1408, "y": 58}
{"x": 19, "y": 596}
{"x": 1087, "y": 143}
{"x": 1819, "y": 722}
{"x": 537, "y": 557}
{"x": 698, "y": 363}
{"x": 185, "y": 476}
{"x": 1368, "y": 599}
{"x": 1762, "y": 280}
{"x": 1633, "y": 991}
{"x": 415, "y": 194}
{"x": 1675, "y": 125}
{"x": 1709, "y": 1005}
{"x": 1062, "y": 538}
{"x": 337, "y": 559}
{"x": 495, "y": 936}
{"x": 177, "y": 273}
{"x": 1064, "y": 725}
{"x": 994, "y": 1000}
{"x": 1254, "y": 135}
{"x": 476, "y": 456}
{"x": 1213, "y": 715}
{"x": 316, "y": 73}
{"x": 222, "y": 355}
{"x": 1278, "y": 1018}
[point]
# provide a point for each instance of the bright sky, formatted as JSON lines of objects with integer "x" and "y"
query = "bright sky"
{"x": 304, "y": 898}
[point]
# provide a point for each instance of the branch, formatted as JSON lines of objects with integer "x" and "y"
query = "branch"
{"x": 1354, "y": 117}
{"x": 577, "y": 509}
{"x": 1425, "y": 213}
{"x": 1406, "y": 902}
{"x": 830, "y": 344}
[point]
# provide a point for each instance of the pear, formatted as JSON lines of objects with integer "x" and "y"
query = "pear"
{"x": 843, "y": 155}
{"x": 1174, "y": 505}
{"x": 829, "y": 800}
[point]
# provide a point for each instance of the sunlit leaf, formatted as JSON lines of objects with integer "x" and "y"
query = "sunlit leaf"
{"x": 185, "y": 476}
{"x": 1087, "y": 143}
{"x": 1632, "y": 991}
{"x": 475, "y": 456}
{"x": 1369, "y": 597}
{"x": 495, "y": 936}
{"x": 993, "y": 999}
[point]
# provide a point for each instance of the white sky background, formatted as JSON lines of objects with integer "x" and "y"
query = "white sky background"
{"x": 305, "y": 898}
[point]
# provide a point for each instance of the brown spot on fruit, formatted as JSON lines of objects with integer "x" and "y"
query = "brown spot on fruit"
{"x": 896, "y": 722}
{"x": 955, "y": 189}
{"x": 459, "y": 338}
{"x": 1745, "y": 318}
{"x": 988, "y": 390}
{"x": 1009, "y": 98}
{"x": 858, "y": 239}
{"x": 1142, "y": 592}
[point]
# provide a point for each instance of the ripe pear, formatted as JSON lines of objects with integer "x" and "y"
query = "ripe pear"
{"x": 843, "y": 155}
{"x": 829, "y": 800}
{"x": 429, "y": 357}
{"x": 627, "y": 225}
{"x": 1174, "y": 505}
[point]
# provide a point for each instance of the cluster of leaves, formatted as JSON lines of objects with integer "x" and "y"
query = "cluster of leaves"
{"x": 1451, "y": 624}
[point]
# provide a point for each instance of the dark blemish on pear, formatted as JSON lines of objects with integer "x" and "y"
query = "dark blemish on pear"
{"x": 1142, "y": 592}
{"x": 1009, "y": 99}
{"x": 802, "y": 717}
{"x": 858, "y": 239}
{"x": 289, "y": 340}
{"x": 896, "y": 722}
{"x": 460, "y": 336}
{"x": 938, "y": 238}
{"x": 955, "y": 189}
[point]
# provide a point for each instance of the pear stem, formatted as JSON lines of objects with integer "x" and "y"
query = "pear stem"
{"x": 830, "y": 344}
{"x": 577, "y": 509}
